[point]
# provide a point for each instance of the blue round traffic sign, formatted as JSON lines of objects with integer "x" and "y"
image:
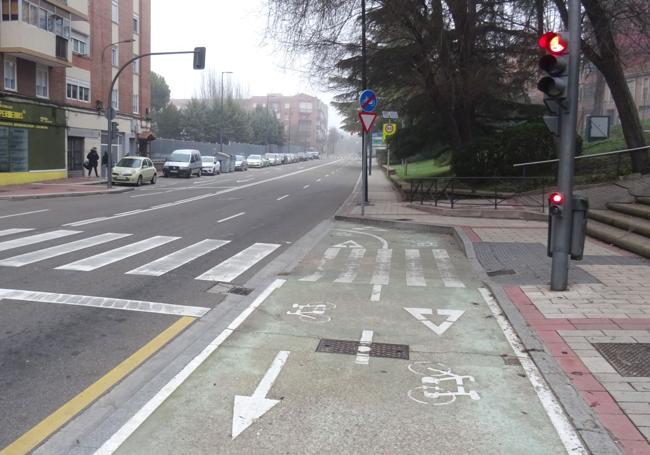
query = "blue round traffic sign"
{"x": 368, "y": 100}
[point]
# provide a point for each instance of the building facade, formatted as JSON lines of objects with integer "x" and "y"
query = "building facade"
{"x": 58, "y": 61}
{"x": 304, "y": 117}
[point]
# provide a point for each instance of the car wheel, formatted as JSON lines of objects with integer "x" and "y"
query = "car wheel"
{"x": 153, "y": 179}
{"x": 139, "y": 182}
{"x": 198, "y": 174}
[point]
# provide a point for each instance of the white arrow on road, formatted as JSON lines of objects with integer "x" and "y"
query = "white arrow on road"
{"x": 348, "y": 244}
{"x": 249, "y": 409}
{"x": 452, "y": 316}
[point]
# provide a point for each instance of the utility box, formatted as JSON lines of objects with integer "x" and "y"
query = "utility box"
{"x": 579, "y": 227}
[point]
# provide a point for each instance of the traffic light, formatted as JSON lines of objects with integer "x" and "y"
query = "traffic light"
{"x": 199, "y": 58}
{"x": 555, "y": 63}
{"x": 556, "y": 203}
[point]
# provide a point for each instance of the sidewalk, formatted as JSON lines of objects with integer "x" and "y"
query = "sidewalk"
{"x": 74, "y": 186}
{"x": 598, "y": 331}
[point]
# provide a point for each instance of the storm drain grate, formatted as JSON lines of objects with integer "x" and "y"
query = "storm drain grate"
{"x": 501, "y": 272}
{"x": 628, "y": 359}
{"x": 387, "y": 350}
{"x": 240, "y": 291}
{"x": 511, "y": 360}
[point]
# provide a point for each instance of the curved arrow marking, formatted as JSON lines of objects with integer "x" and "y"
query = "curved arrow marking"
{"x": 248, "y": 409}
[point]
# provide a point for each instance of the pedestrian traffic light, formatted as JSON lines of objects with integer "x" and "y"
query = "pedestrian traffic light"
{"x": 199, "y": 58}
{"x": 556, "y": 203}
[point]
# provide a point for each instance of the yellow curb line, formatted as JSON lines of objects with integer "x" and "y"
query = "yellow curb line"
{"x": 61, "y": 416}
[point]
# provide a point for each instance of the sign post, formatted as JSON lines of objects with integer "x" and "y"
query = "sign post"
{"x": 367, "y": 103}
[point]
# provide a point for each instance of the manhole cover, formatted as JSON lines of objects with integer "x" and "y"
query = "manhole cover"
{"x": 511, "y": 360}
{"x": 240, "y": 291}
{"x": 387, "y": 350}
{"x": 628, "y": 359}
{"x": 501, "y": 272}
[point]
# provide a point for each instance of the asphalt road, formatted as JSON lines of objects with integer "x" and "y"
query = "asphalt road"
{"x": 66, "y": 332}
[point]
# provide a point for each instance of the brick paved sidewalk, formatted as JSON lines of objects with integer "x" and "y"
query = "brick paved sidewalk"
{"x": 598, "y": 331}
{"x": 75, "y": 186}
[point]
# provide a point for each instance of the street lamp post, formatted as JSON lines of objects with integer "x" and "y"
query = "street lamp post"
{"x": 222, "y": 116}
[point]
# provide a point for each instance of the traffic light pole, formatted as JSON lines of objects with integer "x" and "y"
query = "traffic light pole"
{"x": 562, "y": 224}
{"x": 110, "y": 111}
{"x": 364, "y": 85}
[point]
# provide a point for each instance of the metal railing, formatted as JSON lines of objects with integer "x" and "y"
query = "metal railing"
{"x": 481, "y": 191}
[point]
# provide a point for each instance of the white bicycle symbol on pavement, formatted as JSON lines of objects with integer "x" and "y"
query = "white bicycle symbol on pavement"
{"x": 431, "y": 392}
{"x": 312, "y": 312}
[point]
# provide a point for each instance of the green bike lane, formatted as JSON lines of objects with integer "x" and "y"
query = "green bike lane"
{"x": 379, "y": 341}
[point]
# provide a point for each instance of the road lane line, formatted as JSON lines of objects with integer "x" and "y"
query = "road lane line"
{"x": 414, "y": 272}
{"x": 197, "y": 198}
{"x": 318, "y": 180}
{"x": 121, "y": 435}
{"x": 148, "y": 194}
{"x": 381, "y": 275}
{"x": 65, "y": 413}
{"x": 282, "y": 197}
{"x": 375, "y": 295}
{"x": 446, "y": 268}
{"x": 14, "y": 231}
{"x": 141, "y": 306}
{"x": 328, "y": 256}
{"x": 58, "y": 250}
{"x": 352, "y": 266}
{"x": 231, "y": 268}
{"x": 178, "y": 258}
{"x": 231, "y": 217}
{"x": 363, "y": 350}
{"x": 111, "y": 256}
{"x": 305, "y": 187}
{"x": 24, "y": 213}
{"x": 245, "y": 180}
{"x": 31, "y": 239}
{"x": 554, "y": 410}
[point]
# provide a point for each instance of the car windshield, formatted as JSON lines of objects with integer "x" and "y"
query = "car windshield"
{"x": 207, "y": 159}
{"x": 254, "y": 157}
{"x": 180, "y": 156}
{"x": 129, "y": 162}
{"x": 239, "y": 158}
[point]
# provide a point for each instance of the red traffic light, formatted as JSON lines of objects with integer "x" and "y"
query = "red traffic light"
{"x": 556, "y": 198}
{"x": 553, "y": 43}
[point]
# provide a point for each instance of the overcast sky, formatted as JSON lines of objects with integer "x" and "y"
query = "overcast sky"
{"x": 233, "y": 33}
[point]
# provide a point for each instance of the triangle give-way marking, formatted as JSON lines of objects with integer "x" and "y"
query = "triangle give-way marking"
{"x": 421, "y": 313}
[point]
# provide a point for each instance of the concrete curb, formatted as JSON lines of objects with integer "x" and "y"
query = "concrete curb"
{"x": 20, "y": 197}
{"x": 595, "y": 436}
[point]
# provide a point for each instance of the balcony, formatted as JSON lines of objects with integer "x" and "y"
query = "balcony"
{"x": 27, "y": 42}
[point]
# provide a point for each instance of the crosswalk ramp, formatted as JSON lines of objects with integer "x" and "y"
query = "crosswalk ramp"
{"x": 413, "y": 267}
{"x": 226, "y": 270}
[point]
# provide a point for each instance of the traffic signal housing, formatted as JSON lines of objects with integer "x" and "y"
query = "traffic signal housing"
{"x": 199, "y": 58}
{"x": 556, "y": 203}
{"x": 555, "y": 64}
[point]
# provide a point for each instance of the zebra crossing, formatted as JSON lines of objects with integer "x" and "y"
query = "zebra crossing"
{"x": 417, "y": 267}
{"x": 225, "y": 271}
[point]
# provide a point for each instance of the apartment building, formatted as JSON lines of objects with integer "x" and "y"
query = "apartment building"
{"x": 304, "y": 117}
{"x": 58, "y": 60}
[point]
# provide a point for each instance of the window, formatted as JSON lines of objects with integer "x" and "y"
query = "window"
{"x": 136, "y": 104}
{"x": 286, "y": 105}
{"x": 115, "y": 57}
{"x": 114, "y": 11}
{"x": 646, "y": 91}
{"x": 79, "y": 43}
{"x": 14, "y": 149}
{"x": 42, "y": 81}
{"x": 10, "y": 73}
{"x": 136, "y": 66}
{"x": 61, "y": 47}
{"x": 304, "y": 106}
{"x": 78, "y": 90}
{"x": 136, "y": 24}
{"x": 115, "y": 97}
{"x": 9, "y": 10}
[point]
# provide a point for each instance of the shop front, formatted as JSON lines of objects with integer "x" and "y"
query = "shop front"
{"x": 32, "y": 143}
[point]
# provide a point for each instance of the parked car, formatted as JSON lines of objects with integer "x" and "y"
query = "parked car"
{"x": 241, "y": 164}
{"x": 265, "y": 161}
{"x": 210, "y": 165}
{"x": 183, "y": 163}
{"x": 134, "y": 170}
{"x": 255, "y": 161}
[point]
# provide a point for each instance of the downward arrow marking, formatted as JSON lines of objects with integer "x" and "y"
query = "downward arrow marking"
{"x": 452, "y": 316}
{"x": 249, "y": 409}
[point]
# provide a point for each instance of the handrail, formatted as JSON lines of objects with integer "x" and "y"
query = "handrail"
{"x": 615, "y": 152}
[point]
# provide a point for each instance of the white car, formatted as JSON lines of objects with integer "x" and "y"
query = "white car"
{"x": 210, "y": 165}
{"x": 255, "y": 161}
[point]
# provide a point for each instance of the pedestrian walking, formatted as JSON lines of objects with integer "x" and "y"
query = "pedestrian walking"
{"x": 93, "y": 159}
{"x": 104, "y": 164}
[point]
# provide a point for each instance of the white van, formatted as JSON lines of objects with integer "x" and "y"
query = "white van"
{"x": 183, "y": 163}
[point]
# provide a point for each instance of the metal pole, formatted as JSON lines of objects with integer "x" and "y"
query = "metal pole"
{"x": 364, "y": 85}
{"x": 370, "y": 153}
{"x": 222, "y": 114}
{"x": 561, "y": 228}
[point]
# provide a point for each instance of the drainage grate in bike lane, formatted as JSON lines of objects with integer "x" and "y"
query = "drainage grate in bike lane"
{"x": 386, "y": 350}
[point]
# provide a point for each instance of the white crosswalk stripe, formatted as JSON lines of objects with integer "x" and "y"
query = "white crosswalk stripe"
{"x": 446, "y": 269}
{"x": 414, "y": 272}
{"x": 181, "y": 257}
{"x": 118, "y": 254}
{"x": 381, "y": 274}
{"x": 37, "y": 238}
{"x": 329, "y": 255}
{"x": 352, "y": 266}
{"x": 13, "y": 231}
{"x": 231, "y": 268}
{"x": 47, "y": 253}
